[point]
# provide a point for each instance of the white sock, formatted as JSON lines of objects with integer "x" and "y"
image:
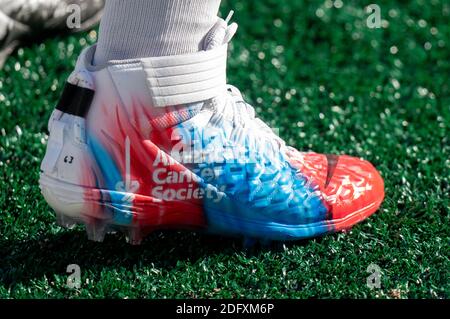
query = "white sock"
{"x": 148, "y": 28}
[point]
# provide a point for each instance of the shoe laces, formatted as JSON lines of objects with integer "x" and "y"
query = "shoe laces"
{"x": 242, "y": 115}
{"x": 232, "y": 106}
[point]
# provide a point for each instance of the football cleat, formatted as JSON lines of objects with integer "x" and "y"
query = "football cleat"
{"x": 24, "y": 20}
{"x": 163, "y": 142}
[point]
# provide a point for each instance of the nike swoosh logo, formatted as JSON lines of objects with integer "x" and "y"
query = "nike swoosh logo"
{"x": 332, "y": 161}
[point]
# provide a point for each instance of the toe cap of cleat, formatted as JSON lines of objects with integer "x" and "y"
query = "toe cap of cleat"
{"x": 354, "y": 191}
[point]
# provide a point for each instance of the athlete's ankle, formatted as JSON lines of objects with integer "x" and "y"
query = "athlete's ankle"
{"x": 142, "y": 28}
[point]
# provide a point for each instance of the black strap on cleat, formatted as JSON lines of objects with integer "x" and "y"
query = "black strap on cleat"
{"x": 75, "y": 100}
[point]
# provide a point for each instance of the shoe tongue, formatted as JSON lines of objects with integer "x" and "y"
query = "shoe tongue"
{"x": 220, "y": 34}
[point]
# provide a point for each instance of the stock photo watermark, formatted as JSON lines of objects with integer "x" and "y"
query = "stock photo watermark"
{"x": 74, "y": 279}
{"x": 374, "y": 19}
{"x": 373, "y": 281}
{"x": 222, "y": 158}
{"x": 73, "y": 20}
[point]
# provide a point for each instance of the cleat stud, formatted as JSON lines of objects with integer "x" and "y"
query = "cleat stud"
{"x": 134, "y": 236}
{"x": 249, "y": 242}
{"x": 64, "y": 221}
{"x": 96, "y": 230}
{"x": 265, "y": 242}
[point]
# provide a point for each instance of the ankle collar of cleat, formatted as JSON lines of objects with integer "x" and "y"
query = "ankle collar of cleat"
{"x": 174, "y": 80}
{"x": 185, "y": 79}
{"x": 170, "y": 80}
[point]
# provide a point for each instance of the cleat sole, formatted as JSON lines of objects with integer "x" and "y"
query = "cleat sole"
{"x": 102, "y": 219}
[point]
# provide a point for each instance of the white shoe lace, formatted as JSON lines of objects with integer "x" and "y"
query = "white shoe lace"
{"x": 235, "y": 109}
{"x": 243, "y": 117}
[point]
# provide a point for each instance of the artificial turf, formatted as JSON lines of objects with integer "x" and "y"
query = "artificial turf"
{"x": 330, "y": 84}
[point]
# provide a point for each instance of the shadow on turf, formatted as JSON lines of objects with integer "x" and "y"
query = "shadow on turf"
{"x": 49, "y": 255}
